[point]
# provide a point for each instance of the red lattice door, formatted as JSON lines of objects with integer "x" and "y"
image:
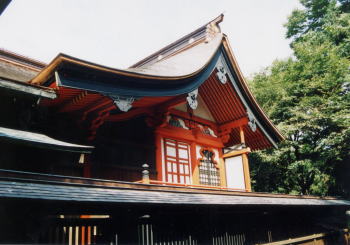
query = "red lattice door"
{"x": 177, "y": 162}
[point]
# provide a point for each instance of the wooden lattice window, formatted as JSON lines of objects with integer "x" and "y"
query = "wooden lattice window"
{"x": 208, "y": 172}
{"x": 177, "y": 162}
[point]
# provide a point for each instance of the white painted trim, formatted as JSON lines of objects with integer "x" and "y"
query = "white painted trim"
{"x": 233, "y": 81}
{"x": 26, "y": 88}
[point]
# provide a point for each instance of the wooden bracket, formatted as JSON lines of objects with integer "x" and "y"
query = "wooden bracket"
{"x": 157, "y": 119}
{"x": 76, "y": 99}
{"x": 226, "y": 129}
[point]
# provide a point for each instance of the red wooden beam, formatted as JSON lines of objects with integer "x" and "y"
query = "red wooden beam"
{"x": 162, "y": 108}
{"x": 234, "y": 124}
{"x": 194, "y": 118}
{"x": 98, "y": 104}
{"x": 130, "y": 114}
{"x": 166, "y": 106}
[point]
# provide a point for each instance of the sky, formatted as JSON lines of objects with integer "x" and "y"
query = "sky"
{"x": 119, "y": 33}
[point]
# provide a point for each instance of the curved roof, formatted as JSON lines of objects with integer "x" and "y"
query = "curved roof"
{"x": 177, "y": 69}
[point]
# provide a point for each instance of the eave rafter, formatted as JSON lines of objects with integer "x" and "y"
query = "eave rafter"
{"x": 76, "y": 99}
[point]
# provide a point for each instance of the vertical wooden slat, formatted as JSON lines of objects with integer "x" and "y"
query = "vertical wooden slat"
{"x": 147, "y": 234}
{"x": 83, "y": 235}
{"x": 64, "y": 234}
{"x": 70, "y": 231}
{"x": 89, "y": 235}
{"x": 94, "y": 240}
{"x": 143, "y": 234}
{"x": 77, "y": 235}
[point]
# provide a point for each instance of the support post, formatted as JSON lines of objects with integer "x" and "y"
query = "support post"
{"x": 222, "y": 169}
{"x": 241, "y": 134}
{"x": 86, "y": 167}
{"x": 248, "y": 186}
{"x": 194, "y": 164}
{"x": 159, "y": 157}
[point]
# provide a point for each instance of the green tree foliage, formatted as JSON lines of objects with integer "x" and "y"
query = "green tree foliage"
{"x": 308, "y": 97}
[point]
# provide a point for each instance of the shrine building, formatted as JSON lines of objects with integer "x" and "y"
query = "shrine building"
{"x": 154, "y": 154}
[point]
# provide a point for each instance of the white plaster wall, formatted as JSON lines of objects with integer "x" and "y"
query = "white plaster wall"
{"x": 234, "y": 172}
{"x": 202, "y": 110}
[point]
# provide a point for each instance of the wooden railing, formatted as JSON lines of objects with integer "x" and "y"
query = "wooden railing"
{"x": 194, "y": 186}
{"x": 22, "y": 175}
{"x": 315, "y": 239}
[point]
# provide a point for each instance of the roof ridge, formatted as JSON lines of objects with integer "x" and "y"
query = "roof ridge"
{"x": 203, "y": 33}
{"x": 21, "y": 59}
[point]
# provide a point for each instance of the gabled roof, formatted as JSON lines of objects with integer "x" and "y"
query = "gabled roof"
{"x": 192, "y": 62}
{"x": 16, "y": 70}
{"x": 17, "y": 67}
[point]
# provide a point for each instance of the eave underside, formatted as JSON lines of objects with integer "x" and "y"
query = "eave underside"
{"x": 84, "y": 90}
{"x": 221, "y": 99}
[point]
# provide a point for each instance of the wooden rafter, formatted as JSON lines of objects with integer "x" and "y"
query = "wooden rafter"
{"x": 76, "y": 99}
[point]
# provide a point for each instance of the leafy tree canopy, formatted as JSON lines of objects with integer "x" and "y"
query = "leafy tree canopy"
{"x": 308, "y": 97}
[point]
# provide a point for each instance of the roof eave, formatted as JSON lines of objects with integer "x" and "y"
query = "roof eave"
{"x": 278, "y": 135}
{"x": 26, "y": 88}
{"x": 61, "y": 58}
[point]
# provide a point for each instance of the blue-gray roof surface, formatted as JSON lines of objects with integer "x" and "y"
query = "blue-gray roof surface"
{"x": 78, "y": 193}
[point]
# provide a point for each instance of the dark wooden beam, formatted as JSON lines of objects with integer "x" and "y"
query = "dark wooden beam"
{"x": 130, "y": 114}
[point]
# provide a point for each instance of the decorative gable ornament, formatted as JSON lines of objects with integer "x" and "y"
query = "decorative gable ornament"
{"x": 192, "y": 99}
{"x": 124, "y": 104}
{"x": 221, "y": 74}
{"x": 252, "y": 121}
{"x": 211, "y": 30}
